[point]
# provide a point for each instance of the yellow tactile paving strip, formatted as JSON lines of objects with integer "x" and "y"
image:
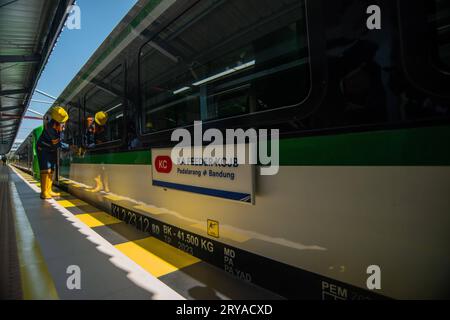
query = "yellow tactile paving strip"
{"x": 71, "y": 203}
{"x": 155, "y": 256}
{"x": 97, "y": 219}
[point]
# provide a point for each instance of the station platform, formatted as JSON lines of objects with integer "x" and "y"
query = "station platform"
{"x": 46, "y": 246}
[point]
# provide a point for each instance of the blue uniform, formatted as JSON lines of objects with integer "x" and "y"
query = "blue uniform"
{"x": 90, "y": 138}
{"x": 48, "y": 144}
{"x": 95, "y": 135}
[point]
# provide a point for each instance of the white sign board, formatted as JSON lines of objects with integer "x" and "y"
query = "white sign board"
{"x": 227, "y": 180}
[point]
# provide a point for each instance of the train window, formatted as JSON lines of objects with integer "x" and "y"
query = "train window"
{"x": 425, "y": 38}
{"x": 425, "y": 47}
{"x": 359, "y": 68}
{"x": 439, "y": 20}
{"x": 107, "y": 95}
{"x": 218, "y": 61}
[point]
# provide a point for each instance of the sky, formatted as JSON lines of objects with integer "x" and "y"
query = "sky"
{"x": 74, "y": 48}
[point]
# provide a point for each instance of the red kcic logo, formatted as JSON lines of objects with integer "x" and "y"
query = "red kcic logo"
{"x": 163, "y": 164}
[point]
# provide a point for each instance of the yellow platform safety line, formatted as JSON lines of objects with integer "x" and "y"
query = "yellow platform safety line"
{"x": 71, "y": 203}
{"x": 97, "y": 219}
{"x": 156, "y": 257}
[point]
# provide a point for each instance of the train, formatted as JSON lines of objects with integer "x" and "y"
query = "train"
{"x": 363, "y": 116}
{"x": 25, "y": 157}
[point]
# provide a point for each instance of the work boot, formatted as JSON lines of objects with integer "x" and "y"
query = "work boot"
{"x": 44, "y": 186}
{"x": 50, "y": 191}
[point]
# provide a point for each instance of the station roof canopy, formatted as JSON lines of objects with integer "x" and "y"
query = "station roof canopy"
{"x": 29, "y": 30}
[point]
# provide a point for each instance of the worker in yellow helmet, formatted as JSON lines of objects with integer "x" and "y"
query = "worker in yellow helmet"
{"x": 101, "y": 118}
{"x": 47, "y": 146}
{"x": 96, "y": 129}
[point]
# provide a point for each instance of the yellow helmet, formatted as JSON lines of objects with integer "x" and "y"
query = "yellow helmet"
{"x": 101, "y": 118}
{"x": 59, "y": 114}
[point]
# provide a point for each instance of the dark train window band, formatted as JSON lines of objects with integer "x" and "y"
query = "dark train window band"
{"x": 236, "y": 71}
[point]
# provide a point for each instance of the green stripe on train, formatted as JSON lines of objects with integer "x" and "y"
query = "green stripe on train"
{"x": 419, "y": 146}
{"x": 135, "y": 157}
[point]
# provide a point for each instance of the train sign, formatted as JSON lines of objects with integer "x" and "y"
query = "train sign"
{"x": 228, "y": 179}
